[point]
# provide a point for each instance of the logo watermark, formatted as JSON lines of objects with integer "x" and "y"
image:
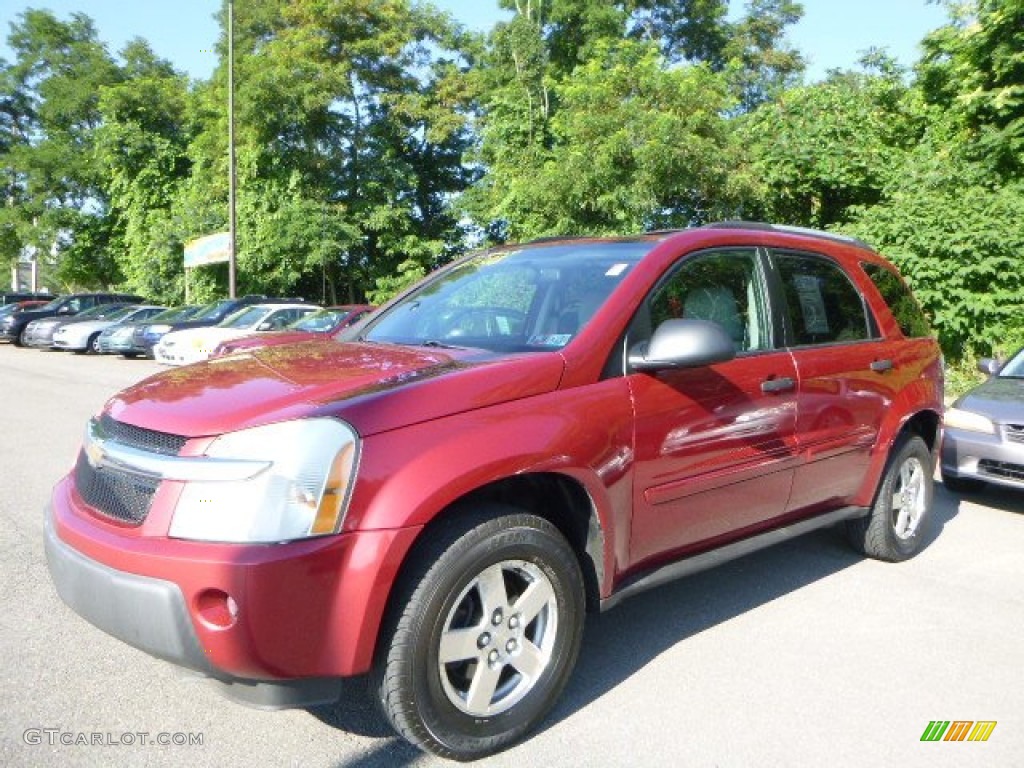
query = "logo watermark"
{"x": 958, "y": 730}
{"x": 54, "y": 737}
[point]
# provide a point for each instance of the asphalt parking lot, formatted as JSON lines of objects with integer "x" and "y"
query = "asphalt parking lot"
{"x": 802, "y": 655}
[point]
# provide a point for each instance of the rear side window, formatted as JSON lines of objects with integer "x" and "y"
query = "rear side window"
{"x": 822, "y": 305}
{"x": 904, "y": 308}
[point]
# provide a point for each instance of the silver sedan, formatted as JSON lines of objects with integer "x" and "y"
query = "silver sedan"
{"x": 983, "y": 439}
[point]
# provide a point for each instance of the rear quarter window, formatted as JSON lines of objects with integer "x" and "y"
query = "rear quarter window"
{"x": 905, "y": 309}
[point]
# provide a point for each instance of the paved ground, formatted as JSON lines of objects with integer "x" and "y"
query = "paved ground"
{"x": 803, "y": 655}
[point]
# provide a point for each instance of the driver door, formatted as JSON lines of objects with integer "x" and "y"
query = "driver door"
{"x": 715, "y": 445}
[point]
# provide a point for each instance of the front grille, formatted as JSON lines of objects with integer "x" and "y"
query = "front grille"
{"x": 113, "y": 493}
{"x": 1014, "y": 432}
{"x": 1002, "y": 469}
{"x": 143, "y": 439}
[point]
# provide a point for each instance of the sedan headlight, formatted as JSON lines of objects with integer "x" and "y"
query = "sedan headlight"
{"x": 303, "y": 492}
{"x": 969, "y": 421}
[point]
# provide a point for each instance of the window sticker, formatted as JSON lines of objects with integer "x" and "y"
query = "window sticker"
{"x": 808, "y": 289}
{"x": 550, "y": 340}
{"x": 616, "y": 270}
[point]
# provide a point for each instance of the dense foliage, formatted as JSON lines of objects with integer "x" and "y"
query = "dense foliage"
{"x": 377, "y": 139}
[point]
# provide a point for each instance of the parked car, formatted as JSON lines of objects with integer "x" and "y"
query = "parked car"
{"x": 119, "y": 339}
{"x": 19, "y": 306}
{"x": 39, "y": 333}
{"x": 15, "y": 297}
{"x": 983, "y": 438}
{"x": 319, "y": 325}
{"x": 147, "y": 337}
{"x": 11, "y": 327}
{"x": 84, "y": 336}
{"x": 192, "y": 345}
{"x": 530, "y": 433}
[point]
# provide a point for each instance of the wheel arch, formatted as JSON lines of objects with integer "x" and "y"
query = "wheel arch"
{"x": 558, "y": 498}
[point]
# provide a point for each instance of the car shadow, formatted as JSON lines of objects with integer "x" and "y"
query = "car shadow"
{"x": 994, "y": 496}
{"x": 647, "y": 625}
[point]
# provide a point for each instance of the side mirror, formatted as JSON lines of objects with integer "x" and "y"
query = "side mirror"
{"x": 65, "y": 310}
{"x": 988, "y": 366}
{"x": 264, "y": 326}
{"x": 683, "y": 343}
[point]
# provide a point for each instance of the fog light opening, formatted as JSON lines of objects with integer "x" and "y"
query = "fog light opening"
{"x": 216, "y": 608}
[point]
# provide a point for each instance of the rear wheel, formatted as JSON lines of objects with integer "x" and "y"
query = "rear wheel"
{"x": 485, "y": 633}
{"x": 898, "y": 522}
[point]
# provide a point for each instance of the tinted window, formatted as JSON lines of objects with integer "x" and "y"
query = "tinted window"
{"x": 822, "y": 304}
{"x": 904, "y": 308}
{"x": 723, "y": 287}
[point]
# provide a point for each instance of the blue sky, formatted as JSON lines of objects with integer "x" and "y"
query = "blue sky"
{"x": 832, "y": 34}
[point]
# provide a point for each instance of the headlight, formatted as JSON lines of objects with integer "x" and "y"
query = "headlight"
{"x": 304, "y": 492}
{"x": 969, "y": 421}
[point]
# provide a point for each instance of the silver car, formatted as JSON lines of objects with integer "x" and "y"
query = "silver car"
{"x": 983, "y": 439}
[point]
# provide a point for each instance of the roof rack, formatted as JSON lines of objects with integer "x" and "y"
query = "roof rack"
{"x": 807, "y": 231}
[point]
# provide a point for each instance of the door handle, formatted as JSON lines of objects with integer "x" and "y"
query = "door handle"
{"x": 778, "y": 385}
{"x": 881, "y": 366}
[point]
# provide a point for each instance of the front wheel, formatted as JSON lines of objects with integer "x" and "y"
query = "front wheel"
{"x": 898, "y": 522}
{"x": 485, "y": 633}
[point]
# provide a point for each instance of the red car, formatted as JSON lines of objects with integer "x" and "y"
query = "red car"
{"x": 529, "y": 434}
{"x": 322, "y": 324}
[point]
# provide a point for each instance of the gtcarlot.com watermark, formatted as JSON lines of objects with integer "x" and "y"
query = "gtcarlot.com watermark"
{"x": 58, "y": 737}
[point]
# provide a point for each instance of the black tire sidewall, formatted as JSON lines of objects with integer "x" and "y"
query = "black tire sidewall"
{"x": 533, "y": 543}
{"x": 901, "y": 549}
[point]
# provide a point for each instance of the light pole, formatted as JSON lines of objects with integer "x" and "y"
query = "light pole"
{"x": 231, "y": 149}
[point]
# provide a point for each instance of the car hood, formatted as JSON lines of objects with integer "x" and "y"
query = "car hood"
{"x": 268, "y": 338}
{"x": 88, "y": 326}
{"x": 348, "y": 381}
{"x": 208, "y": 335}
{"x": 1000, "y": 399}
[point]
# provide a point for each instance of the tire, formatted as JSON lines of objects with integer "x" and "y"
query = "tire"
{"x": 20, "y": 341}
{"x": 129, "y": 355}
{"x": 93, "y": 347}
{"x": 962, "y": 484}
{"x": 507, "y": 661}
{"x": 900, "y": 517}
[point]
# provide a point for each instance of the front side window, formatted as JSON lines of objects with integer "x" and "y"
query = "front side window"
{"x": 901, "y": 303}
{"x": 822, "y": 305}
{"x": 532, "y": 298}
{"x": 723, "y": 287}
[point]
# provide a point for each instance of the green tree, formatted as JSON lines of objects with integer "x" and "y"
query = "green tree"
{"x": 55, "y": 187}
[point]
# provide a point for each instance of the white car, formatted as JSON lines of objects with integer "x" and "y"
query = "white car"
{"x": 83, "y": 336}
{"x": 192, "y": 345}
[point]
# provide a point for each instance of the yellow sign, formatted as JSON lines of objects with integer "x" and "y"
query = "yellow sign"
{"x": 207, "y": 250}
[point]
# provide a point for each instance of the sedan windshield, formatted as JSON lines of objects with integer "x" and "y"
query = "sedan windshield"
{"x": 1014, "y": 369}
{"x": 320, "y": 321}
{"x": 533, "y": 298}
{"x": 244, "y": 318}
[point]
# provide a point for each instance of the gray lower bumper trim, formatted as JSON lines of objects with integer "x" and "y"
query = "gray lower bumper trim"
{"x": 150, "y": 614}
{"x": 146, "y": 613}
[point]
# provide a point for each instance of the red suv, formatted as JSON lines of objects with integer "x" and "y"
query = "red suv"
{"x": 530, "y": 433}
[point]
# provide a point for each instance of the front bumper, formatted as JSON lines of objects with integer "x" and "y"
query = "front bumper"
{"x": 977, "y": 456}
{"x": 300, "y": 614}
{"x": 38, "y": 339}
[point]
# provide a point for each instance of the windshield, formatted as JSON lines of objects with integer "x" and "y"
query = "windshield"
{"x": 174, "y": 313}
{"x": 215, "y": 311}
{"x": 533, "y": 298}
{"x": 320, "y": 321}
{"x": 244, "y": 318}
{"x": 96, "y": 312}
{"x": 1014, "y": 368}
{"x": 121, "y": 313}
